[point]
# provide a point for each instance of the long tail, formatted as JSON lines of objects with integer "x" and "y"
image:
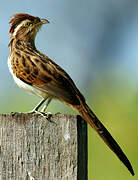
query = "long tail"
{"x": 91, "y": 118}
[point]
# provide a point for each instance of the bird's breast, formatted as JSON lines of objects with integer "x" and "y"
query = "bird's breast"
{"x": 24, "y": 85}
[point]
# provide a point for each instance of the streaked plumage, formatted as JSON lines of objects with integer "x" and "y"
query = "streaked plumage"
{"x": 37, "y": 73}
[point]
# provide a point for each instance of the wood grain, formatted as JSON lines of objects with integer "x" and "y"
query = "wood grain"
{"x": 33, "y": 148}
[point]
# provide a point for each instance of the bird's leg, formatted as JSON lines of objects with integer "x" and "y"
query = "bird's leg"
{"x": 47, "y": 114}
{"x": 35, "y": 110}
{"x": 46, "y": 105}
{"x": 42, "y": 113}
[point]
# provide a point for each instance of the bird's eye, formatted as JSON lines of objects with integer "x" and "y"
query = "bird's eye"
{"x": 28, "y": 24}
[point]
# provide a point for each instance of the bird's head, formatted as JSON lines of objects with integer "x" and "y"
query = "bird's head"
{"x": 24, "y": 26}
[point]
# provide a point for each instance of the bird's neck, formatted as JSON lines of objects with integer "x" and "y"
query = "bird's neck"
{"x": 22, "y": 43}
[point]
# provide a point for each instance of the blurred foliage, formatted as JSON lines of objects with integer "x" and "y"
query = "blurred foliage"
{"x": 114, "y": 100}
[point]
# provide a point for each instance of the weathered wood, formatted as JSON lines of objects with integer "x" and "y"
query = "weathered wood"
{"x": 32, "y": 148}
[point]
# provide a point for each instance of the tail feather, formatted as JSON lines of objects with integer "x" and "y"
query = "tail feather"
{"x": 91, "y": 118}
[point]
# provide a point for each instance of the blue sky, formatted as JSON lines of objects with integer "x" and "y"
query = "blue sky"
{"x": 85, "y": 37}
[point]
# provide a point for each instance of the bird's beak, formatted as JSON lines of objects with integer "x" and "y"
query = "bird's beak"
{"x": 44, "y": 21}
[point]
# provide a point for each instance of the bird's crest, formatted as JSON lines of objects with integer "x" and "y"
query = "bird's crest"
{"x": 18, "y": 18}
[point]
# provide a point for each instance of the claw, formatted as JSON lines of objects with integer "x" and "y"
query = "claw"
{"x": 45, "y": 115}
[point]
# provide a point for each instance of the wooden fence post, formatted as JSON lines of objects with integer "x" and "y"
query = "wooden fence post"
{"x": 33, "y": 148}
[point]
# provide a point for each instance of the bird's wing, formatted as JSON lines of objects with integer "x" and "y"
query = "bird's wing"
{"x": 60, "y": 85}
{"x": 41, "y": 72}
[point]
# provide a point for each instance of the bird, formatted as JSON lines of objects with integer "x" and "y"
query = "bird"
{"x": 37, "y": 73}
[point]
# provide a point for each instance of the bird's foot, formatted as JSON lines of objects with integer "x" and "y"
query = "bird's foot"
{"x": 46, "y": 115}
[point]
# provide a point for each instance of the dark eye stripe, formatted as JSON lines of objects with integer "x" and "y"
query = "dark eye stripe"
{"x": 28, "y": 23}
